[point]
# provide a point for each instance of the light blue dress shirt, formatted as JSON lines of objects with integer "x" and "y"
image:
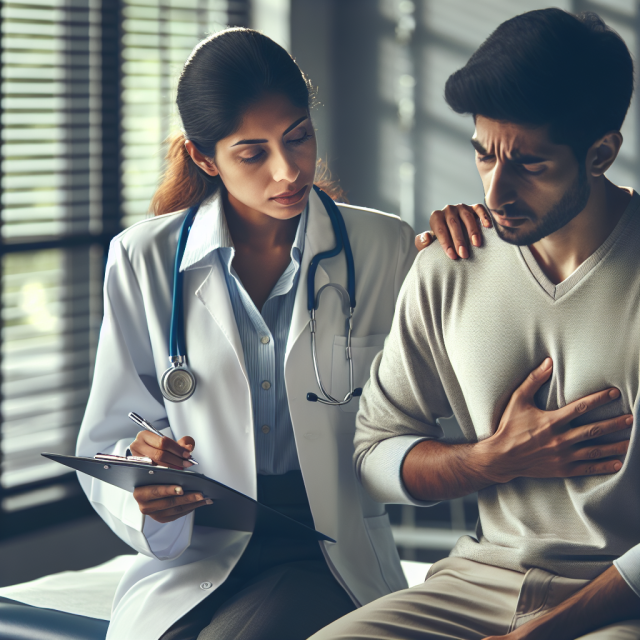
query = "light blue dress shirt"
{"x": 264, "y": 340}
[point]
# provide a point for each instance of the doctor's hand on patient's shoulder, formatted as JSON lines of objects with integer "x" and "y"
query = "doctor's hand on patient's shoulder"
{"x": 533, "y": 443}
{"x": 446, "y": 227}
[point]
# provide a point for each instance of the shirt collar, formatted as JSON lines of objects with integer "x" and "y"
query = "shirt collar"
{"x": 210, "y": 232}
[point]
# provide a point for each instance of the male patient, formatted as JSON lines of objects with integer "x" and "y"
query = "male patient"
{"x": 553, "y": 455}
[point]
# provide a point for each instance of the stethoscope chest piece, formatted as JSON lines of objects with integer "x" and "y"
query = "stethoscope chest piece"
{"x": 177, "y": 383}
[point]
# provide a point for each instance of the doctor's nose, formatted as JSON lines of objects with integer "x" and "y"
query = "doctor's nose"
{"x": 500, "y": 189}
{"x": 284, "y": 169}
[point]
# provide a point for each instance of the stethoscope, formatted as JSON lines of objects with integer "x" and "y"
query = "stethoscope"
{"x": 178, "y": 382}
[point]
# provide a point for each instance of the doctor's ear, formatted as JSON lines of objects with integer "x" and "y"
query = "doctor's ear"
{"x": 206, "y": 164}
{"x": 602, "y": 153}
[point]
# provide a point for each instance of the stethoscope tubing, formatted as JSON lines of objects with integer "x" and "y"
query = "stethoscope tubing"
{"x": 342, "y": 242}
{"x": 177, "y": 346}
{"x": 183, "y": 385}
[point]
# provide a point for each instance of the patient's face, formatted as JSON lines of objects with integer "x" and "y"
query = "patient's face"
{"x": 532, "y": 186}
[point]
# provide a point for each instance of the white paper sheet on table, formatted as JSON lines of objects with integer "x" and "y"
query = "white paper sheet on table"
{"x": 90, "y": 592}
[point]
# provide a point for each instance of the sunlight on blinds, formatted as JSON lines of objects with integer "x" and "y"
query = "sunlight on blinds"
{"x": 157, "y": 39}
{"x": 62, "y": 62}
{"x": 51, "y": 307}
{"x": 50, "y": 118}
{"x": 51, "y": 189}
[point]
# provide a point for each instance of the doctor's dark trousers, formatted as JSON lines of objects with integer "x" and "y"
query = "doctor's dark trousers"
{"x": 281, "y": 588}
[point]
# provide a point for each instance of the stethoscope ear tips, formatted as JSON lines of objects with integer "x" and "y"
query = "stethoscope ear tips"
{"x": 312, "y": 397}
{"x": 357, "y": 392}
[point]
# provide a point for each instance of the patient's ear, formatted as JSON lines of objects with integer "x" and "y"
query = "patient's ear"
{"x": 602, "y": 153}
{"x": 206, "y": 164}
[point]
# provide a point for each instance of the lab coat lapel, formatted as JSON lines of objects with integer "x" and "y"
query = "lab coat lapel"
{"x": 213, "y": 293}
{"x": 318, "y": 238}
{"x": 209, "y": 232}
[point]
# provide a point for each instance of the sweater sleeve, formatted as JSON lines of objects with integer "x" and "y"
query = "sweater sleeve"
{"x": 404, "y": 395}
{"x": 628, "y": 565}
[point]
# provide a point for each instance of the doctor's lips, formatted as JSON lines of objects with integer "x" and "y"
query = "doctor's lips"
{"x": 290, "y": 198}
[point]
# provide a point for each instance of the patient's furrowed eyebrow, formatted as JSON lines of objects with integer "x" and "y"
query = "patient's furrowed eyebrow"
{"x": 526, "y": 158}
{"x": 516, "y": 156}
{"x": 478, "y": 147}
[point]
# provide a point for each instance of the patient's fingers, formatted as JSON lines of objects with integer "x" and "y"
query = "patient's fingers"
{"x": 576, "y": 435}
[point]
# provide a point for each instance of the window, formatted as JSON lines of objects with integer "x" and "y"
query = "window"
{"x": 87, "y": 89}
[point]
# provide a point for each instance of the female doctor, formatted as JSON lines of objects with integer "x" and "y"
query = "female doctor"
{"x": 245, "y": 168}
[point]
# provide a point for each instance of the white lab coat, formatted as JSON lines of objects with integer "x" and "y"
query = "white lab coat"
{"x": 178, "y": 564}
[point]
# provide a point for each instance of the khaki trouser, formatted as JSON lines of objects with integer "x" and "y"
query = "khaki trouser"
{"x": 465, "y": 600}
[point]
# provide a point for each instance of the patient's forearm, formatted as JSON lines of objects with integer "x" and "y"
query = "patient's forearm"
{"x": 435, "y": 470}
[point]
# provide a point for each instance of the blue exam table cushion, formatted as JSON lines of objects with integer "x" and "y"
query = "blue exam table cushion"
{"x": 21, "y": 622}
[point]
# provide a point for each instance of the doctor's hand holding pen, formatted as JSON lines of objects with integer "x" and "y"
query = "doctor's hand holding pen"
{"x": 166, "y": 502}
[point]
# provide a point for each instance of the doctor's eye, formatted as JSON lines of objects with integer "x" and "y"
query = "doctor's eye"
{"x": 252, "y": 159}
{"x": 300, "y": 140}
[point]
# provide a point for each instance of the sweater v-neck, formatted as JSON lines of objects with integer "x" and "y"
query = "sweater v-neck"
{"x": 557, "y": 291}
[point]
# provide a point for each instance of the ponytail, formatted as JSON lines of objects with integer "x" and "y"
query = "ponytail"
{"x": 183, "y": 184}
{"x": 331, "y": 187}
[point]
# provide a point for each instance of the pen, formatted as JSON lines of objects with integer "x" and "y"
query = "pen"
{"x": 141, "y": 422}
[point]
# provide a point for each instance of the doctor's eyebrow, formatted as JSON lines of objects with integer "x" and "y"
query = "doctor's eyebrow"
{"x": 516, "y": 156}
{"x": 262, "y": 140}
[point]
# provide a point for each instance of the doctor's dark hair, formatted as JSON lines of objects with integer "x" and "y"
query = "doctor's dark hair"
{"x": 549, "y": 67}
{"x": 227, "y": 73}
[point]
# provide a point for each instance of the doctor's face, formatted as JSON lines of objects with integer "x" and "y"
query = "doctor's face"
{"x": 532, "y": 186}
{"x": 268, "y": 165}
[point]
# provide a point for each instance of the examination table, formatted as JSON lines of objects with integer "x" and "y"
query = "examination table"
{"x": 76, "y": 605}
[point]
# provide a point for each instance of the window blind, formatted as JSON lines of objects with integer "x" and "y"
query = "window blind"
{"x": 157, "y": 38}
{"x": 86, "y": 103}
{"x": 51, "y": 230}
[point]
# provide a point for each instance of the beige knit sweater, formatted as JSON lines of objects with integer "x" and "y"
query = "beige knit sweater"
{"x": 465, "y": 335}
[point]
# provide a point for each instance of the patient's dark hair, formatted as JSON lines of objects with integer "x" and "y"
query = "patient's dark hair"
{"x": 549, "y": 67}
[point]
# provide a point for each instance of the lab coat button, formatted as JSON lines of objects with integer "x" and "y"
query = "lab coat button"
{"x": 266, "y": 428}
{"x": 266, "y": 385}
{"x": 265, "y": 339}
{"x": 206, "y": 585}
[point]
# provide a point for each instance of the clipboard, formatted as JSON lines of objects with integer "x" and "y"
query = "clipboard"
{"x": 230, "y": 509}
